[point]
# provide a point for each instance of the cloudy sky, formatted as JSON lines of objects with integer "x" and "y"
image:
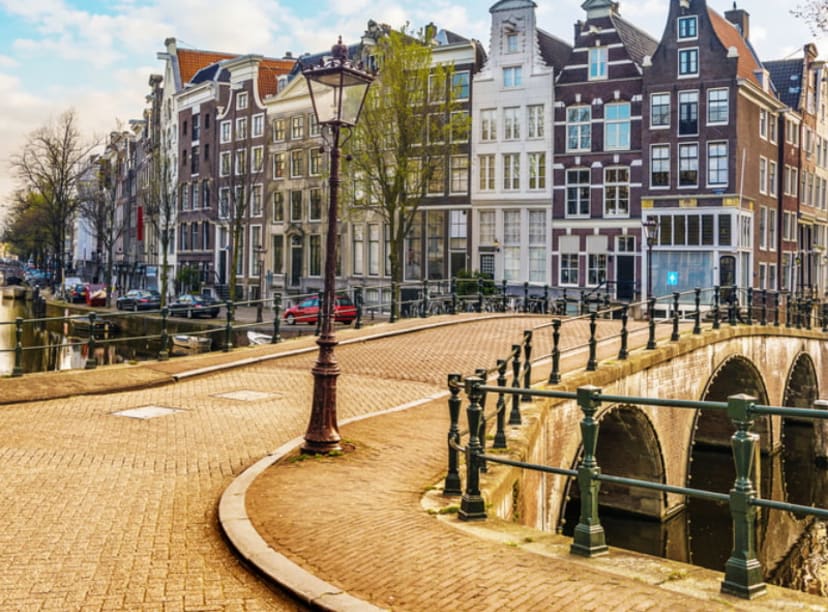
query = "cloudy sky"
{"x": 96, "y": 55}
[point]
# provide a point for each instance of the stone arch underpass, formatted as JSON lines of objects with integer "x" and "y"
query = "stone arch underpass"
{"x": 661, "y": 444}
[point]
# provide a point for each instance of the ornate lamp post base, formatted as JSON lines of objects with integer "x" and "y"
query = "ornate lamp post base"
{"x": 322, "y": 435}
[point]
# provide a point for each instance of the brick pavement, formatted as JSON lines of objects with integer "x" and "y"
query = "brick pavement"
{"x": 107, "y": 512}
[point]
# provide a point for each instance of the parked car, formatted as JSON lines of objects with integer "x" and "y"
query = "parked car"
{"x": 95, "y": 294}
{"x": 307, "y": 311}
{"x": 139, "y": 299}
{"x": 76, "y": 293}
{"x": 190, "y": 306}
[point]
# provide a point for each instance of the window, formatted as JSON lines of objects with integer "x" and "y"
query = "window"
{"x": 688, "y": 62}
{"x": 436, "y": 128}
{"x": 569, "y": 269}
{"x": 436, "y": 182}
{"x": 241, "y": 128}
{"x": 373, "y": 249}
{"x": 459, "y": 174}
{"x": 511, "y": 43}
{"x": 241, "y": 161}
{"x": 460, "y": 85}
{"x": 512, "y": 77}
{"x": 256, "y": 201}
{"x": 534, "y": 121}
{"x": 296, "y": 205}
{"x": 226, "y": 131}
{"x": 278, "y": 253}
{"x": 688, "y": 165}
{"x": 488, "y": 125}
{"x": 296, "y": 127}
{"x": 687, "y": 28}
{"x": 315, "y": 162}
{"x": 460, "y": 126}
{"x": 225, "y": 163}
{"x": 717, "y": 163}
{"x": 297, "y": 163}
{"x": 660, "y": 166}
{"x": 487, "y": 227}
{"x": 315, "y": 212}
{"x": 763, "y": 175}
{"x": 224, "y": 203}
{"x": 763, "y": 124}
{"x": 278, "y": 165}
{"x": 278, "y": 130}
{"x": 597, "y": 268}
{"x": 511, "y": 123}
{"x": 241, "y": 100}
{"x": 278, "y": 204}
{"x": 258, "y": 126}
{"x": 487, "y": 172}
{"x": 617, "y": 192}
{"x": 617, "y": 126}
{"x": 763, "y": 227}
{"x": 436, "y": 89}
{"x": 537, "y": 170}
{"x": 196, "y": 128}
{"x": 205, "y": 194}
{"x": 659, "y": 110}
{"x": 597, "y": 63}
{"x": 511, "y": 171}
{"x": 537, "y": 246}
{"x": 772, "y": 229}
{"x": 579, "y": 128}
{"x": 718, "y": 109}
{"x": 258, "y": 158}
{"x": 359, "y": 238}
{"x": 688, "y": 113}
{"x": 315, "y": 255}
{"x": 313, "y": 125}
{"x": 511, "y": 244}
{"x": 772, "y": 178}
{"x": 185, "y": 197}
{"x": 773, "y": 128}
{"x": 577, "y": 192}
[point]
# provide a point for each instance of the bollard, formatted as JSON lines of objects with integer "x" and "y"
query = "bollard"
{"x": 623, "y": 353}
{"x": 514, "y": 415}
{"x": 697, "y": 313}
{"x": 716, "y": 290}
{"x": 228, "y": 326}
{"x": 743, "y": 572}
{"x": 452, "y": 483}
{"x": 358, "y": 301}
{"x": 675, "y": 335}
{"x": 589, "y": 539}
{"x": 277, "y": 319}
{"x": 91, "y": 360}
{"x": 164, "y": 353}
{"x": 592, "y": 363}
{"x": 472, "y": 505}
{"x": 527, "y": 363}
{"x": 651, "y": 342}
{"x": 555, "y": 374}
{"x": 500, "y": 434}
{"x": 18, "y": 347}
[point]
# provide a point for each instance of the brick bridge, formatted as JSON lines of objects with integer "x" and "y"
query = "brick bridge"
{"x": 779, "y": 366}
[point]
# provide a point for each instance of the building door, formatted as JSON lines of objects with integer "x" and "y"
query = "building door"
{"x": 625, "y": 277}
{"x": 296, "y": 257}
{"x": 223, "y": 266}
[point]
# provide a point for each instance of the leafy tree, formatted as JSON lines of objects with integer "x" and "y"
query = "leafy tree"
{"x": 25, "y": 228}
{"x": 815, "y": 13}
{"x": 48, "y": 167}
{"x": 401, "y": 145}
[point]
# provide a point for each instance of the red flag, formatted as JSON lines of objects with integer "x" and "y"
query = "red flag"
{"x": 140, "y": 223}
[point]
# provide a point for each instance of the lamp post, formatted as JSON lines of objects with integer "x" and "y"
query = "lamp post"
{"x": 650, "y": 228}
{"x": 337, "y": 90}
{"x": 259, "y": 249}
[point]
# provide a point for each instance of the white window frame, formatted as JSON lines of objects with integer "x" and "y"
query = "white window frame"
{"x": 241, "y": 100}
{"x": 511, "y": 171}
{"x": 598, "y": 63}
{"x": 687, "y": 19}
{"x": 511, "y": 123}
{"x": 488, "y": 125}
{"x": 717, "y": 104}
{"x": 710, "y": 165}
{"x": 512, "y": 77}
{"x": 692, "y": 64}
{"x": 687, "y": 146}
{"x": 653, "y": 97}
{"x": 582, "y": 126}
{"x": 226, "y": 132}
{"x": 537, "y": 170}
{"x": 488, "y": 172}
{"x": 662, "y": 160}
{"x": 535, "y": 118}
{"x": 615, "y": 127}
{"x": 611, "y": 205}
{"x": 257, "y": 125}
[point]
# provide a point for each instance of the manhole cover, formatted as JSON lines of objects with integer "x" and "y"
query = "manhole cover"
{"x": 245, "y": 395}
{"x": 146, "y": 412}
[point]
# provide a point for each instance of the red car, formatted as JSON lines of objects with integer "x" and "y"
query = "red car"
{"x": 307, "y": 311}
{"x": 95, "y": 295}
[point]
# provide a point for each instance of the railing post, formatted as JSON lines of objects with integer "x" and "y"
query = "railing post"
{"x": 472, "y": 505}
{"x": 394, "y": 304}
{"x": 651, "y": 342}
{"x": 503, "y": 294}
{"x": 716, "y": 297}
{"x": 675, "y": 335}
{"x": 479, "y": 295}
{"x": 527, "y": 363}
{"x": 798, "y": 310}
{"x": 482, "y": 374}
{"x": 749, "y": 319}
{"x": 589, "y": 539}
{"x": 514, "y": 415}
{"x": 788, "y": 310}
{"x": 824, "y": 317}
{"x": 623, "y": 353}
{"x": 453, "y": 296}
{"x": 358, "y": 302}
{"x": 563, "y": 303}
{"x": 277, "y": 319}
{"x": 583, "y": 305}
{"x": 697, "y": 312}
{"x": 228, "y": 326}
{"x": 452, "y": 483}
{"x": 18, "y": 347}
{"x": 555, "y": 374}
{"x": 500, "y": 434}
{"x": 164, "y": 353}
{"x": 809, "y": 306}
{"x": 91, "y": 360}
{"x": 545, "y": 307}
{"x": 743, "y": 572}
{"x": 763, "y": 314}
{"x": 592, "y": 363}
{"x": 424, "y": 311}
{"x": 525, "y": 296}
{"x": 731, "y": 307}
{"x": 776, "y": 309}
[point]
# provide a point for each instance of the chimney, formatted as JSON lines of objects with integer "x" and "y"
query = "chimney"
{"x": 741, "y": 19}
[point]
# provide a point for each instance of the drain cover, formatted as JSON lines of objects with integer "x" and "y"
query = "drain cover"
{"x": 146, "y": 412}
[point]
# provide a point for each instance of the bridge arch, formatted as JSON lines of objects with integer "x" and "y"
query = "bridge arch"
{"x": 800, "y": 448}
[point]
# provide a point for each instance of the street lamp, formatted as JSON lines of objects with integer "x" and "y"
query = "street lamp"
{"x": 337, "y": 90}
{"x": 650, "y": 228}
{"x": 259, "y": 250}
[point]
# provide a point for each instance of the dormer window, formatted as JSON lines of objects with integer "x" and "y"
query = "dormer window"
{"x": 597, "y": 63}
{"x": 511, "y": 42}
{"x": 688, "y": 62}
{"x": 688, "y": 28}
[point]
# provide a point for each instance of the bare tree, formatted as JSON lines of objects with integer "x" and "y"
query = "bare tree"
{"x": 49, "y": 166}
{"x": 814, "y": 13}
{"x": 25, "y": 228}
